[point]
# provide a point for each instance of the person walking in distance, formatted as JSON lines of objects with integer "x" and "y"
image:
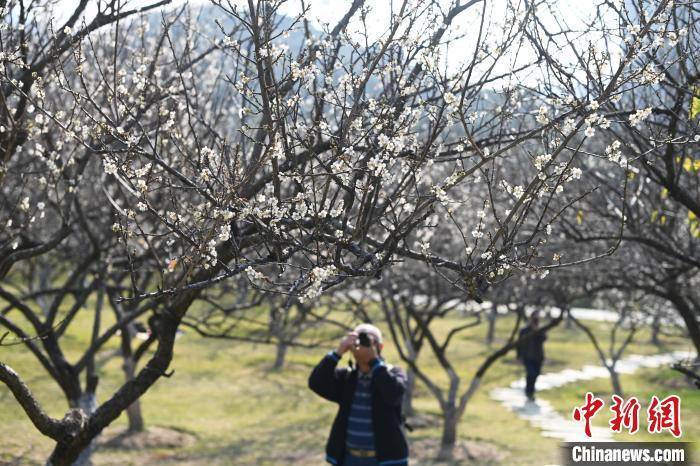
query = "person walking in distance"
{"x": 367, "y": 430}
{"x": 531, "y": 353}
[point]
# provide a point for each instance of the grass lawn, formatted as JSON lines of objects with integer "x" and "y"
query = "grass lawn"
{"x": 237, "y": 411}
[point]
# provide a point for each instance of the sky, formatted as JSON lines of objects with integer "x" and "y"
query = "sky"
{"x": 574, "y": 12}
{"x": 330, "y": 11}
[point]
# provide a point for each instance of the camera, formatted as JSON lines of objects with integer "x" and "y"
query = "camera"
{"x": 364, "y": 339}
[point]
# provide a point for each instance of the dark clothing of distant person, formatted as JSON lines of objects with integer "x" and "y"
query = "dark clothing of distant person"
{"x": 379, "y": 393}
{"x": 531, "y": 354}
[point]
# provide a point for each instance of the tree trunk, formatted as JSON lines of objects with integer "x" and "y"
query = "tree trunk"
{"x": 135, "y": 417}
{"x": 407, "y": 407}
{"x": 568, "y": 321}
{"x": 689, "y": 318}
{"x": 615, "y": 380}
{"x": 449, "y": 434}
{"x": 407, "y": 403}
{"x": 280, "y": 356}
{"x": 88, "y": 403}
{"x": 66, "y": 452}
{"x": 493, "y": 314}
{"x": 133, "y": 412}
{"x": 655, "y": 330}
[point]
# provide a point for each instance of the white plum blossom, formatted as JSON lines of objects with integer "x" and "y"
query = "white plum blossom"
{"x": 211, "y": 254}
{"x": 254, "y": 274}
{"x": 542, "y": 160}
{"x": 440, "y": 194}
{"x": 450, "y": 98}
{"x": 377, "y": 165}
{"x": 569, "y": 125}
{"x": 613, "y": 152}
{"x": 110, "y": 167}
{"x": 425, "y": 247}
{"x": 224, "y": 232}
{"x": 639, "y": 116}
{"x": 317, "y": 276}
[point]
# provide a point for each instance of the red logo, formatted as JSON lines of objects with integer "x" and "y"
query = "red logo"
{"x": 665, "y": 415}
{"x": 588, "y": 410}
{"x": 626, "y": 414}
{"x": 661, "y": 415}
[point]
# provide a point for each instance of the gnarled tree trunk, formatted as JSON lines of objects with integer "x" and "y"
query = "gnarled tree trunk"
{"x": 615, "y": 380}
{"x": 655, "y": 330}
{"x": 133, "y": 412}
{"x": 280, "y": 355}
{"x": 87, "y": 402}
{"x": 449, "y": 433}
{"x": 407, "y": 406}
{"x": 491, "y": 331}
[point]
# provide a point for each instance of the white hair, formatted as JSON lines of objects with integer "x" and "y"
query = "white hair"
{"x": 371, "y": 329}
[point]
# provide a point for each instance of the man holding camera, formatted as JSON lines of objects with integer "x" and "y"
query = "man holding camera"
{"x": 367, "y": 430}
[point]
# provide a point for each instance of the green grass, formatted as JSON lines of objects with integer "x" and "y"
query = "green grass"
{"x": 240, "y": 412}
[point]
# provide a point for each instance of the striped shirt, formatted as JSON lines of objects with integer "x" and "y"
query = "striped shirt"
{"x": 360, "y": 434}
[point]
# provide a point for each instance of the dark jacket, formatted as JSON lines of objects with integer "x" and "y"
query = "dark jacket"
{"x": 532, "y": 349}
{"x": 388, "y": 386}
